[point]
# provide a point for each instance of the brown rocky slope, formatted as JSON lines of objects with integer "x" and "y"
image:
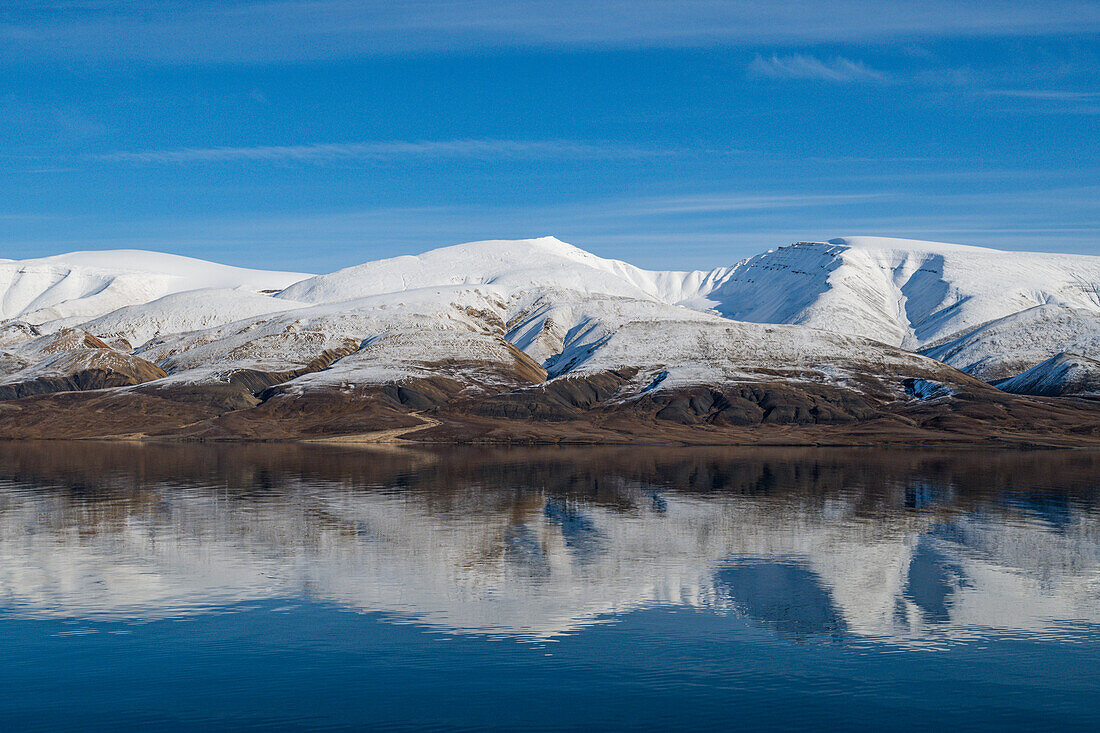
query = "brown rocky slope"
{"x": 583, "y": 409}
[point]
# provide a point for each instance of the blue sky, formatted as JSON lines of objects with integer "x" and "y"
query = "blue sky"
{"x": 318, "y": 134}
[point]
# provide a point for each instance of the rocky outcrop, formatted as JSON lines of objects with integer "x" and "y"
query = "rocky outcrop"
{"x": 69, "y": 360}
{"x": 755, "y": 404}
{"x": 78, "y": 370}
{"x": 598, "y": 408}
{"x": 566, "y": 398}
{"x": 255, "y": 381}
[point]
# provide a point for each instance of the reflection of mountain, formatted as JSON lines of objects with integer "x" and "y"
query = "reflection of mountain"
{"x": 784, "y": 594}
{"x": 541, "y": 542}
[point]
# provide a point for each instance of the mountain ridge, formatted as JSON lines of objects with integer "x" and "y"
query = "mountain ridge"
{"x": 538, "y": 331}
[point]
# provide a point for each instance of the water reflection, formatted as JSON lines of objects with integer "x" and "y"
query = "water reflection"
{"x": 907, "y": 547}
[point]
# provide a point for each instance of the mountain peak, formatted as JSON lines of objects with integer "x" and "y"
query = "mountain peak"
{"x": 512, "y": 264}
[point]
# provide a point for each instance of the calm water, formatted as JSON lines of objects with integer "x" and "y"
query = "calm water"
{"x": 183, "y": 587}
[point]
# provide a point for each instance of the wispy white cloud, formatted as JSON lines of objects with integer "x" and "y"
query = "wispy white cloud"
{"x": 378, "y": 150}
{"x": 36, "y": 217}
{"x": 1046, "y": 95}
{"x": 800, "y": 66}
{"x": 289, "y": 30}
{"x": 686, "y": 229}
{"x": 752, "y": 202}
{"x": 1048, "y": 101}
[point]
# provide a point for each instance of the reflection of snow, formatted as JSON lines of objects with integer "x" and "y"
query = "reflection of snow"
{"x": 532, "y": 564}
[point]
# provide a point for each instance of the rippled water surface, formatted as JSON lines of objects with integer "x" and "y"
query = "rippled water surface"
{"x": 226, "y": 587}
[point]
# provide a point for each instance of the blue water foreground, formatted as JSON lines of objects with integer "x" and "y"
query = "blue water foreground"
{"x": 275, "y": 587}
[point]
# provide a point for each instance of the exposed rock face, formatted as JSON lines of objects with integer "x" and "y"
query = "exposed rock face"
{"x": 754, "y": 404}
{"x": 16, "y": 332}
{"x": 570, "y": 398}
{"x": 599, "y": 408}
{"x": 256, "y": 381}
{"x": 70, "y": 360}
{"x": 566, "y": 398}
{"x": 80, "y": 370}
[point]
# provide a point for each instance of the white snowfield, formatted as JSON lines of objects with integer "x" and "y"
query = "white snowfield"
{"x": 474, "y": 334}
{"x": 509, "y": 265}
{"x": 1010, "y": 345}
{"x": 903, "y": 292}
{"x": 682, "y": 347}
{"x": 66, "y": 290}
{"x": 471, "y": 307}
{"x": 1064, "y": 374}
{"x": 190, "y": 310}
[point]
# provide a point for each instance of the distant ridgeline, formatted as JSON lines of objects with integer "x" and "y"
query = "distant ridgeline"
{"x": 852, "y": 341}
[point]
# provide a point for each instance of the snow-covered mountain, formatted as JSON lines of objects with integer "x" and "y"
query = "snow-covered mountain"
{"x": 899, "y": 291}
{"x": 190, "y": 310}
{"x": 70, "y": 359}
{"x": 563, "y": 331}
{"x": 66, "y": 290}
{"x": 1058, "y": 376}
{"x": 516, "y": 325}
{"x": 1008, "y": 346}
{"x": 508, "y": 265}
{"x": 902, "y": 292}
